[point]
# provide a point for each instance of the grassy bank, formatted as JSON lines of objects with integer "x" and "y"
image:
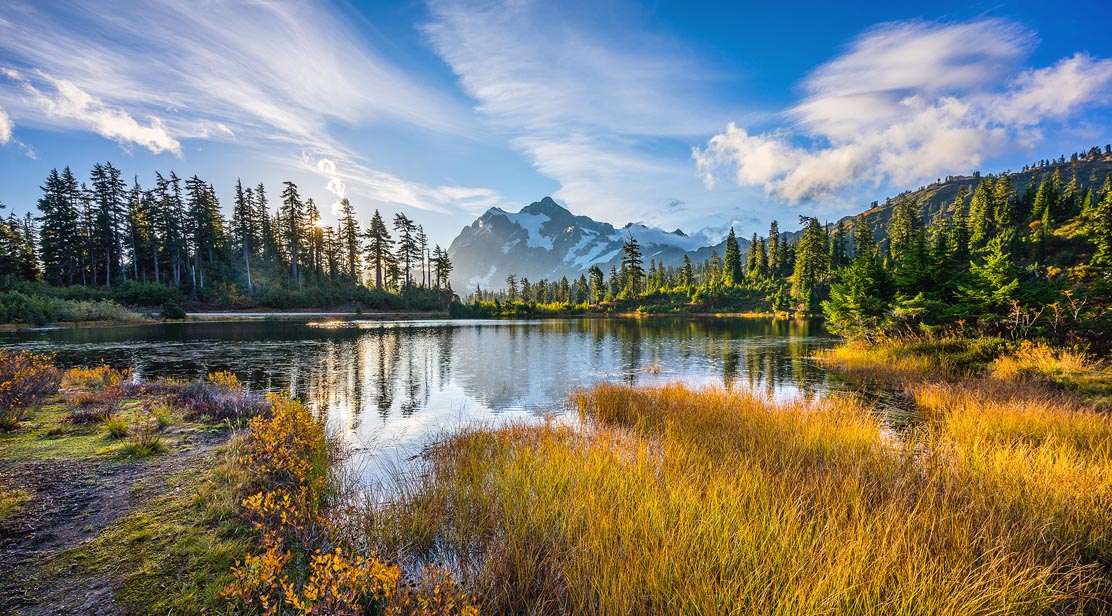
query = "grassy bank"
{"x": 671, "y": 500}
{"x": 182, "y": 498}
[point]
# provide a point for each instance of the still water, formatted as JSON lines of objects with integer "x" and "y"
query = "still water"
{"x": 387, "y": 388}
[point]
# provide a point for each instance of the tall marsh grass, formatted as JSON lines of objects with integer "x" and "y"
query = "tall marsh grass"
{"x": 674, "y": 500}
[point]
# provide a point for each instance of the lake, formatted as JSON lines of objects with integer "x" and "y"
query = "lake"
{"x": 388, "y": 387}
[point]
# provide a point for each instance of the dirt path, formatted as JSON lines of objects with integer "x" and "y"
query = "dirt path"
{"x": 72, "y": 501}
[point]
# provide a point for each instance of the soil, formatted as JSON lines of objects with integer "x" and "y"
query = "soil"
{"x": 72, "y": 501}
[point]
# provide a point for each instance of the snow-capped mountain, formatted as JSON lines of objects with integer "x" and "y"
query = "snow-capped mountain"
{"x": 544, "y": 240}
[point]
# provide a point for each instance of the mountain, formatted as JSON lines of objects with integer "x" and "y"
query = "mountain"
{"x": 545, "y": 240}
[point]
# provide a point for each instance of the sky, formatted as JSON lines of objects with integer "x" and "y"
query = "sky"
{"x": 698, "y": 116}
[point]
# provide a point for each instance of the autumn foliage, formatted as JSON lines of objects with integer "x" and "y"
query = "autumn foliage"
{"x": 300, "y": 566}
{"x": 24, "y": 379}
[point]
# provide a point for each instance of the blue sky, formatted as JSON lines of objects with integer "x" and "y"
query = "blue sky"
{"x": 691, "y": 115}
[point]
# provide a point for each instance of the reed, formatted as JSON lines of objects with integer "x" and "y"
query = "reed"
{"x": 674, "y": 500}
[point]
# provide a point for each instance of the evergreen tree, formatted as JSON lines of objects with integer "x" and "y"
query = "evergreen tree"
{"x": 811, "y": 263}
{"x": 292, "y": 214}
{"x": 774, "y": 255}
{"x": 864, "y": 243}
{"x": 379, "y": 247}
{"x": 59, "y": 236}
{"x": 244, "y": 233}
{"x": 349, "y": 236}
{"x": 598, "y": 288}
{"x": 1099, "y": 226}
{"x": 109, "y": 192}
{"x": 732, "y": 269}
{"x": 632, "y": 266}
{"x": 408, "y": 246}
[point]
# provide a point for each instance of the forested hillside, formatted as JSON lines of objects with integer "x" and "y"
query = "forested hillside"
{"x": 172, "y": 243}
{"x": 1012, "y": 254}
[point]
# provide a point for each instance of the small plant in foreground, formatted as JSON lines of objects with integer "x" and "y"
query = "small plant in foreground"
{"x": 24, "y": 379}
{"x": 144, "y": 439}
{"x": 163, "y": 414}
{"x": 116, "y": 425}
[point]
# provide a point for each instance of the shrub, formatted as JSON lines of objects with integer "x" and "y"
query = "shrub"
{"x": 93, "y": 394}
{"x": 25, "y": 378}
{"x": 144, "y": 293}
{"x": 171, "y": 310}
{"x": 291, "y": 461}
{"x": 225, "y": 380}
{"x": 95, "y": 379}
{"x": 204, "y": 400}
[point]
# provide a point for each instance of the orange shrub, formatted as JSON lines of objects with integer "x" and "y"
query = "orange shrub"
{"x": 25, "y": 378}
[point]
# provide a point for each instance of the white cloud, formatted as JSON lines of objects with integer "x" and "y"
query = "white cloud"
{"x": 68, "y": 102}
{"x": 6, "y": 127}
{"x": 388, "y": 189}
{"x": 908, "y": 102}
{"x": 285, "y": 77}
{"x": 606, "y": 113}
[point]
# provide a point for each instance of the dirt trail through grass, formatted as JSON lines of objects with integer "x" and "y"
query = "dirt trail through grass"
{"x": 72, "y": 501}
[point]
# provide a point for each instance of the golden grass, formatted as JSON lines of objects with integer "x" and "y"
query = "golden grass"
{"x": 720, "y": 501}
{"x": 884, "y": 363}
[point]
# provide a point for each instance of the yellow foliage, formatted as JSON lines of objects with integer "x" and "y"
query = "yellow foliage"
{"x": 225, "y": 380}
{"x": 95, "y": 379}
{"x": 287, "y": 453}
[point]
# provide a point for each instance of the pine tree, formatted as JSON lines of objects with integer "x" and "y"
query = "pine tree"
{"x": 59, "y": 234}
{"x": 292, "y": 213}
{"x": 598, "y": 284}
{"x": 752, "y": 266}
{"x": 109, "y": 193}
{"x": 811, "y": 265}
{"x": 349, "y": 235}
{"x": 732, "y": 269}
{"x": 1099, "y": 226}
{"x": 774, "y": 259}
{"x": 408, "y": 247}
{"x": 632, "y": 266}
{"x": 864, "y": 243}
{"x": 981, "y": 216}
{"x": 960, "y": 235}
{"x": 379, "y": 247}
{"x": 243, "y": 228}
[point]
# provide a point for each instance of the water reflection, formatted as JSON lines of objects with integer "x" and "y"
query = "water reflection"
{"x": 387, "y": 386}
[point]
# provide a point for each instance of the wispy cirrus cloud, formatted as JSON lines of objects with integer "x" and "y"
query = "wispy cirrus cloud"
{"x": 908, "y": 102}
{"x": 5, "y": 127}
{"x": 606, "y": 112}
{"x": 70, "y": 103}
{"x": 256, "y": 74}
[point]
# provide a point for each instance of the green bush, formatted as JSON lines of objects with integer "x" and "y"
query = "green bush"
{"x": 171, "y": 310}
{"x": 19, "y": 307}
{"x": 144, "y": 293}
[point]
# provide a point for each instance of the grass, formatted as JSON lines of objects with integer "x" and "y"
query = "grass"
{"x": 674, "y": 500}
{"x": 915, "y": 361}
{"x": 10, "y": 502}
{"x": 173, "y": 555}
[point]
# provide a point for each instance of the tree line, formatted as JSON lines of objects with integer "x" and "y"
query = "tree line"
{"x": 1004, "y": 259}
{"x": 106, "y": 231}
